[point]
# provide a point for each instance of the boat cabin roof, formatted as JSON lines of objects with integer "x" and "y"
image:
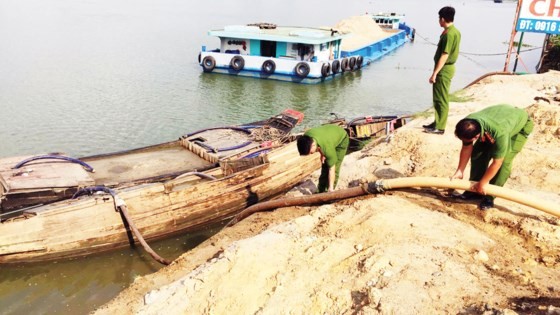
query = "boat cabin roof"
{"x": 289, "y": 34}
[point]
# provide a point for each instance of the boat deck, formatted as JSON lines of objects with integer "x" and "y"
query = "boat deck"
{"x": 157, "y": 162}
{"x": 47, "y": 178}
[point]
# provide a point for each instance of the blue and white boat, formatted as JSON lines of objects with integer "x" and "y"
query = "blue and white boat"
{"x": 295, "y": 54}
{"x": 388, "y": 20}
{"x": 393, "y": 21}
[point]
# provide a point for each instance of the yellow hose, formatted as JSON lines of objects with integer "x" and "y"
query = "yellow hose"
{"x": 502, "y": 192}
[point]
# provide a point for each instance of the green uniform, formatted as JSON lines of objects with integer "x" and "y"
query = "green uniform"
{"x": 333, "y": 141}
{"x": 504, "y": 131}
{"x": 449, "y": 42}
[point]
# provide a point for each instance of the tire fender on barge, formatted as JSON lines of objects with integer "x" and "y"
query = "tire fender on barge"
{"x": 325, "y": 69}
{"x": 302, "y": 69}
{"x": 344, "y": 65}
{"x": 237, "y": 63}
{"x": 268, "y": 67}
{"x": 335, "y": 67}
{"x": 352, "y": 63}
{"x": 208, "y": 63}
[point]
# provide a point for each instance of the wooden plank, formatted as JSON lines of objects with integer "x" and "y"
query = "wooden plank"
{"x": 46, "y": 175}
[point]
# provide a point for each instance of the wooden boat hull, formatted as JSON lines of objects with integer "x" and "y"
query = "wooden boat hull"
{"x": 84, "y": 226}
{"x": 54, "y": 206}
{"x": 161, "y": 192}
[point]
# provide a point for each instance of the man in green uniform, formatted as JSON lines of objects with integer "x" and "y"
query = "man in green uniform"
{"x": 444, "y": 69}
{"x": 500, "y": 132}
{"x": 331, "y": 141}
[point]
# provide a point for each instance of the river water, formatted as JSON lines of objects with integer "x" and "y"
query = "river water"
{"x": 88, "y": 77}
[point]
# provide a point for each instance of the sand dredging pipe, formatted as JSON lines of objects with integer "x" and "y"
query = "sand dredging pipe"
{"x": 383, "y": 185}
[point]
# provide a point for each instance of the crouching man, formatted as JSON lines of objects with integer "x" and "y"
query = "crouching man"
{"x": 331, "y": 141}
{"x": 496, "y": 133}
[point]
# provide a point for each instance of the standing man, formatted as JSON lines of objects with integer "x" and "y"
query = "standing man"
{"x": 331, "y": 141}
{"x": 444, "y": 69}
{"x": 500, "y": 133}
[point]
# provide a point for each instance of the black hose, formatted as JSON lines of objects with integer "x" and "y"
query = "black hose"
{"x": 244, "y": 129}
{"x": 216, "y": 150}
{"x": 199, "y": 174}
{"x": 93, "y": 189}
{"x": 217, "y": 128}
{"x": 375, "y": 119}
{"x": 54, "y": 157}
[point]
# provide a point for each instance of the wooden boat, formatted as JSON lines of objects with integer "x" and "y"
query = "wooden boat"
{"x": 363, "y": 129}
{"x": 180, "y": 186}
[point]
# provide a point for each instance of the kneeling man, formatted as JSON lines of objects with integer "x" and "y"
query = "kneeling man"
{"x": 496, "y": 133}
{"x": 331, "y": 141}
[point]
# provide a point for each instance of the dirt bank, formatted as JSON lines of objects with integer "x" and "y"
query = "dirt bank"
{"x": 405, "y": 252}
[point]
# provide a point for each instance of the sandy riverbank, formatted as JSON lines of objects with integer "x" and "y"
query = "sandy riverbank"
{"x": 404, "y": 252}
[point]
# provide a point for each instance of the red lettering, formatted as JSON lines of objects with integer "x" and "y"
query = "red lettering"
{"x": 552, "y": 8}
{"x": 533, "y": 9}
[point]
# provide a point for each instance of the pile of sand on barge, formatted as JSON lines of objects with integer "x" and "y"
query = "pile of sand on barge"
{"x": 362, "y": 30}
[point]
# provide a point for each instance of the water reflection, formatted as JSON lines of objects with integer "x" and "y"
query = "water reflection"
{"x": 80, "y": 285}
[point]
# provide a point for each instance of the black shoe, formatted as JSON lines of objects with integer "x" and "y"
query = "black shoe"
{"x": 429, "y": 126}
{"x": 486, "y": 204}
{"x": 469, "y": 195}
{"x": 434, "y": 131}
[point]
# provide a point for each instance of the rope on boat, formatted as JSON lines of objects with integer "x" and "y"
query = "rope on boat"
{"x": 121, "y": 206}
{"x": 54, "y": 157}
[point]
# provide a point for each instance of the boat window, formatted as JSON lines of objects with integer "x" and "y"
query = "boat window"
{"x": 305, "y": 52}
{"x": 268, "y": 48}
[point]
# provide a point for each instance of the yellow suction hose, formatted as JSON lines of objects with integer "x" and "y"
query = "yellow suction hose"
{"x": 398, "y": 183}
{"x": 501, "y": 192}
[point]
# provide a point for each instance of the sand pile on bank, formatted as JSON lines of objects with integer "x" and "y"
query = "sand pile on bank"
{"x": 404, "y": 252}
{"x": 361, "y": 31}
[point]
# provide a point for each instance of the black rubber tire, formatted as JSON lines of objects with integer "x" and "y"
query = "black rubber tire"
{"x": 325, "y": 69}
{"x": 359, "y": 62}
{"x": 208, "y": 63}
{"x": 237, "y": 63}
{"x": 344, "y": 65}
{"x": 302, "y": 69}
{"x": 268, "y": 67}
{"x": 335, "y": 67}
{"x": 352, "y": 63}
